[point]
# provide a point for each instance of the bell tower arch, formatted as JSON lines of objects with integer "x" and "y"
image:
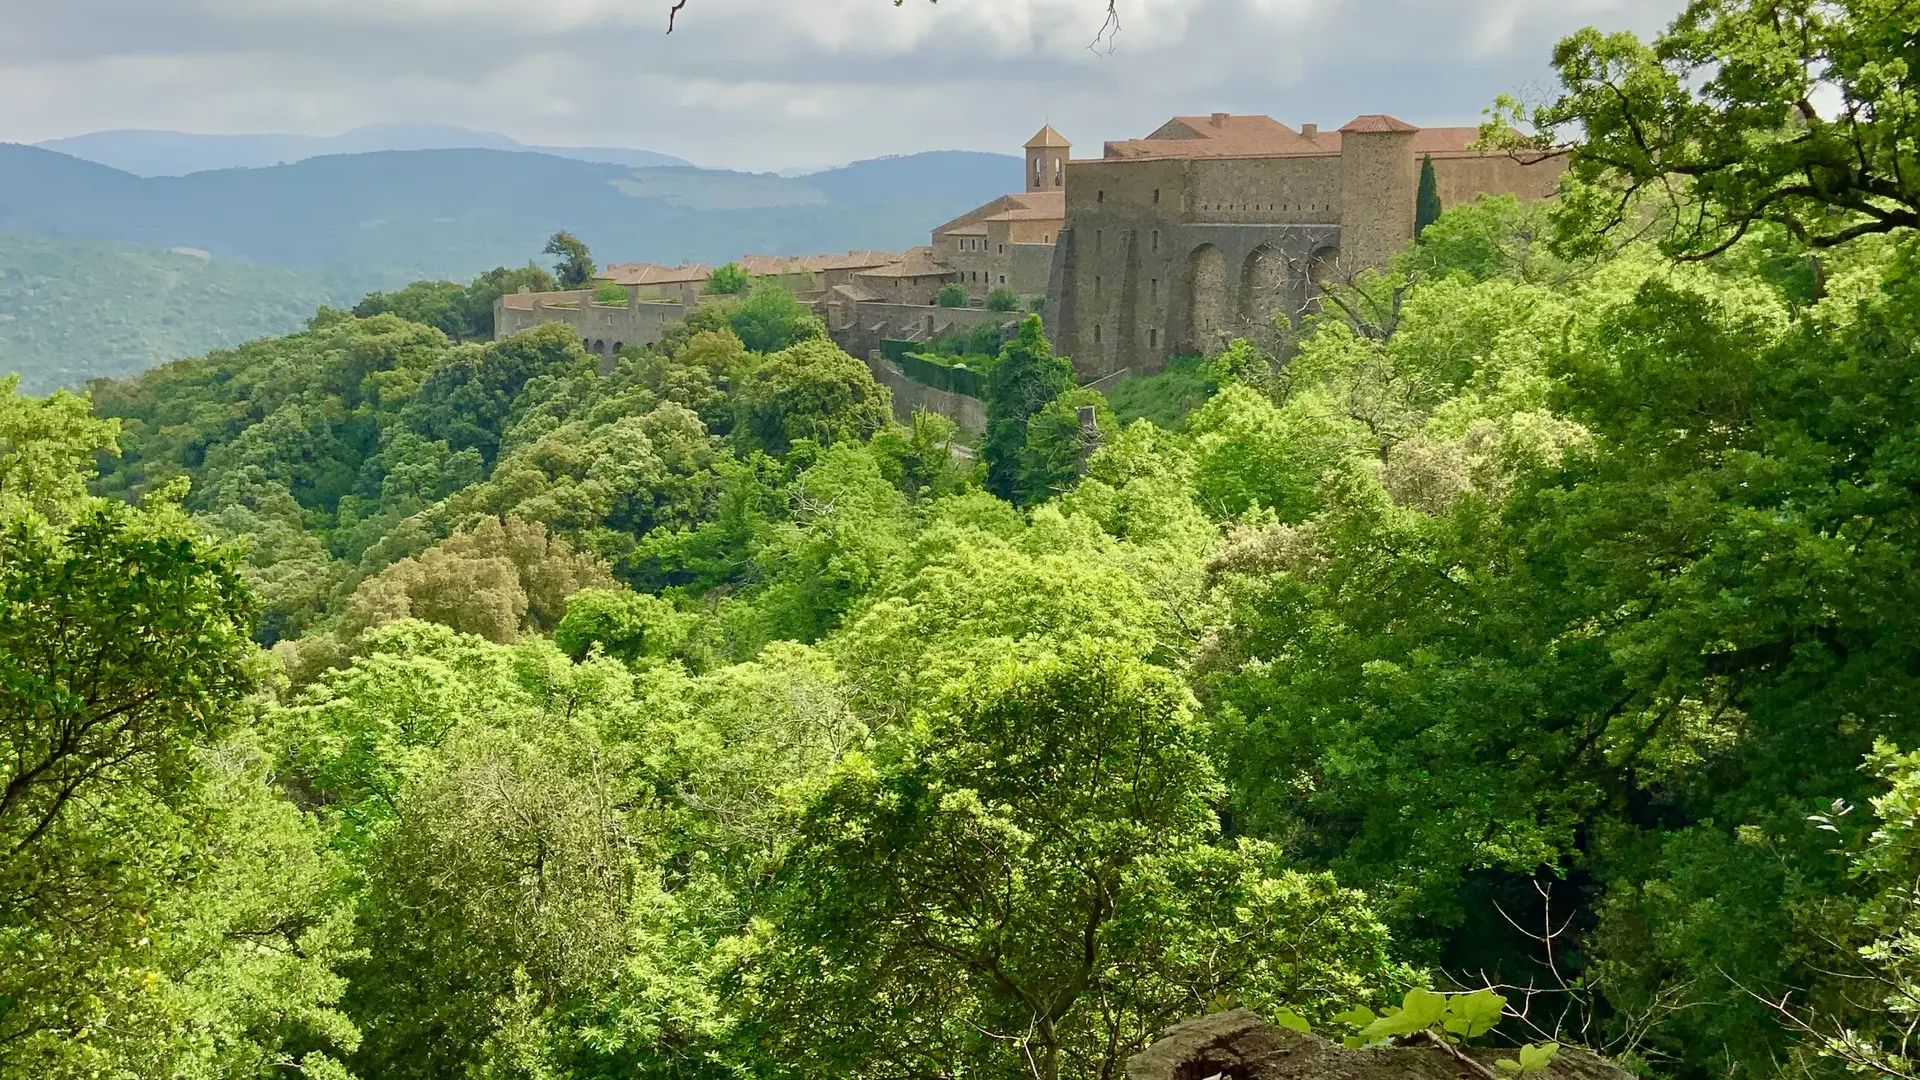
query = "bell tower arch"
{"x": 1047, "y": 160}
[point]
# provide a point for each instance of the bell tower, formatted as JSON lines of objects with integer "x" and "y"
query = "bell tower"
{"x": 1047, "y": 160}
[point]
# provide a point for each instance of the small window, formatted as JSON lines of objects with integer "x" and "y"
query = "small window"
{"x": 1153, "y": 338}
{"x": 1156, "y": 196}
{"x": 1056, "y": 172}
{"x": 1100, "y": 196}
{"x": 1156, "y": 237}
{"x": 1153, "y": 288}
{"x": 1002, "y": 249}
{"x": 1003, "y": 279}
{"x": 1036, "y": 168}
{"x": 1096, "y": 284}
{"x": 1097, "y": 235}
{"x": 1096, "y": 333}
{"x": 1046, "y": 238}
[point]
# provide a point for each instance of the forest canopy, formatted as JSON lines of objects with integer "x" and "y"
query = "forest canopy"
{"x": 1535, "y": 618}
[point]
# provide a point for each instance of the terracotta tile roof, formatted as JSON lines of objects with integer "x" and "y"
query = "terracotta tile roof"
{"x": 1221, "y": 135}
{"x": 1218, "y": 135}
{"x": 1447, "y": 140}
{"x": 1376, "y": 124}
{"x": 763, "y": 265}
{"x": 859, "y": 260}
{"x": 1045, "y": 203}
{"x": 854, "y": 292}
{"x": 915, "y": 263}
{"x": 1047, "y": 137}
{"x": 631, "y": 274}
{"x": 975, "y": 229}
{"x": 1027, "y": 215}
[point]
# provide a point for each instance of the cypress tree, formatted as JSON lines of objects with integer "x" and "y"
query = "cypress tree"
{"x": 1426, "y": 204}
{"x": 1025, "y": 380}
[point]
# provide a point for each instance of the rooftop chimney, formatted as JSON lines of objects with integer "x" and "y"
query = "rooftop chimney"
{"x": 1219, "y": 119}
{"x": 1309, "y": 130}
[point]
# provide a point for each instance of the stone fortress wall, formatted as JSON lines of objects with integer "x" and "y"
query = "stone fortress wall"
{"x": 603, "y": 328}
{"x": 1173, "y": 242}
{"x": 1162, "y": 246}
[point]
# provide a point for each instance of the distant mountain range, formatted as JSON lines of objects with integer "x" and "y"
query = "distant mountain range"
{"x": 346, "y": 224}
{"x": 177, "y": 153}
{"x": 377, "y": 219}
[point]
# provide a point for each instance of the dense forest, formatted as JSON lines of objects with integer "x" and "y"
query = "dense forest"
{"x": 73, "y": 310}
{"x": 1537, "y": 617}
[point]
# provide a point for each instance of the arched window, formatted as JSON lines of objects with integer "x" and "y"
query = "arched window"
{"x": 1037, "y": 176}
{"x": 1056, "y": 172}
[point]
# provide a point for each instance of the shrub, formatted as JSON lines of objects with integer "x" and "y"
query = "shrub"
{"x": 729, "y": 280}
{"x": 953, "y": 294}
{"x": 1003, "y": 299}
{"x": 610, "y": 294}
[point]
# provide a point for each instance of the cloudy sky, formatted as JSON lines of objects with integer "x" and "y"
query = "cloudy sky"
{"x": 768, "y": 84}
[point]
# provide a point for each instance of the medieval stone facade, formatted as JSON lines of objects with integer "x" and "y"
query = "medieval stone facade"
{"x": 1172, "y": 242}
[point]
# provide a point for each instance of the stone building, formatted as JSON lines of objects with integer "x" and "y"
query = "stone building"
{"x": 650, "y": 281}
{"x": 1172, "y": 242}
{"x": 1009, "y": 241}
{"x": 604, "y": 329}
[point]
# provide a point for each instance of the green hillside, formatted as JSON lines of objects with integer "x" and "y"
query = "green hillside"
{"x": 71, "y": 310}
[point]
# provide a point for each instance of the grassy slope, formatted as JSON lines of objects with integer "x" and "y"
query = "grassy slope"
{"x": 71, "y": 309}
{"x": 1165, "y": 397}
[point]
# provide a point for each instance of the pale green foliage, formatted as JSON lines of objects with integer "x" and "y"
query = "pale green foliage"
{"x": 46, "y": 451}
{"x": 493, "y": 578}
{"x": 811, "y": 390}
{"x": 633, "y": 628}
{"x": 982, "y": 889}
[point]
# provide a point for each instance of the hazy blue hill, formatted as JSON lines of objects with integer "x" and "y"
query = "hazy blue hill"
{"x": 352, "y": 223}
{"x": 966, "y": 175}
{"x": 381, "y": 218}
{"x": 177, "y": 153}
{"x": 71, "y": 309}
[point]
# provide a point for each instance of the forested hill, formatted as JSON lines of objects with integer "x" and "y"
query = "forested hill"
{"x": 1523, "y": 654}
{"x": 73, "y": 309}
{"x": 386, "y": 218}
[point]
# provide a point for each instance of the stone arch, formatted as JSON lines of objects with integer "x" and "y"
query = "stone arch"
{"x": 1322, "y": 265}
{"x": 616, "y": 348}
{"x": 600, "y": 346}
{"x": 586, "y": 344}
{"x": 1266, "y": 285}
{"x": 1206, "y": 298}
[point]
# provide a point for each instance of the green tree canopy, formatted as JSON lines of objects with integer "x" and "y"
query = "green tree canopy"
{"x": 575, "y": 268}
{"x": 1031, "y": 885}
{"x": 728, "y": 279}
{"x": 812, "y": 391}
{"x": 1803, "y": 114}
{"x": 770, "y": 319}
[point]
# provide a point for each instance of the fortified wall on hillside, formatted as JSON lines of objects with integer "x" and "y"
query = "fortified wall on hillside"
{"x": 1173, "y": 241}
{"x": 1162, "y": 246}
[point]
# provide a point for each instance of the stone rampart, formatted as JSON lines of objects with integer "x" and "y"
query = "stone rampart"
{"x": 604, "y": 329}
{"x": 875, "y": 322}
{"x": 910, "y": 397}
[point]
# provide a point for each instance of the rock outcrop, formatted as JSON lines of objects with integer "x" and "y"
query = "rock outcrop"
{"x": 1238, "y": 1045}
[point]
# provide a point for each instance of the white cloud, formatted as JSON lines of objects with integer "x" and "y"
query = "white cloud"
{"x": 767, "y": 83}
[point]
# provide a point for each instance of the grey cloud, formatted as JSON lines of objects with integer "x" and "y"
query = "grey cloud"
{"x": 768, "y": 83}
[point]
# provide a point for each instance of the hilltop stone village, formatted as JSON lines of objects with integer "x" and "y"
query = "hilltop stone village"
{"x": 1161, "y": 246}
